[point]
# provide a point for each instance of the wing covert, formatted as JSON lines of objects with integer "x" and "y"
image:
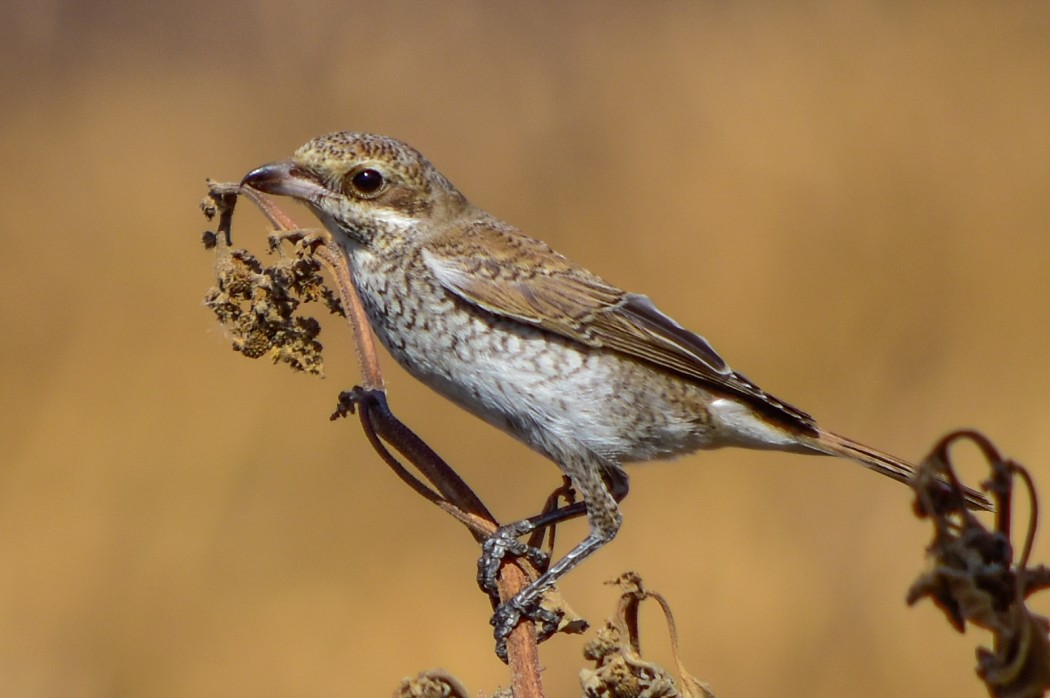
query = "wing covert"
{"x": 517, "y": 277}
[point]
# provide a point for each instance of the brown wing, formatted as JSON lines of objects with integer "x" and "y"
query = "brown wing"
{"x": 508, "y": 274}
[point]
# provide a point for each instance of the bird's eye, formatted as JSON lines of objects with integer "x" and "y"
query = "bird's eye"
{"x": 367, "y": 182}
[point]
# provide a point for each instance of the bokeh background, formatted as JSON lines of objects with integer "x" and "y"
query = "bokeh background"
{"x": 850, "y": 199}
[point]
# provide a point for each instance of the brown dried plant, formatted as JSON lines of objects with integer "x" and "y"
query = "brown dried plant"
{"x": 974, "y": 575}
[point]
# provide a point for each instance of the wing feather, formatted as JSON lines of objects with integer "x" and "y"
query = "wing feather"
{"x": 498, "y": 269}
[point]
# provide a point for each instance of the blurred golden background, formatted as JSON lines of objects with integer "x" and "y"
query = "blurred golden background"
{"x": 850, "y": 199}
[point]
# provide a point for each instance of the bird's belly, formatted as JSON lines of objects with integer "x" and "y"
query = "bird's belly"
{"x": 559, "y": 397}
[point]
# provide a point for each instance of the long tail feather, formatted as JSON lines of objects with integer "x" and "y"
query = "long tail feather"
{"x": 882, "y": 463}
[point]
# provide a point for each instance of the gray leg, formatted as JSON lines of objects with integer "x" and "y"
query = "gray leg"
{"x": 604, "y": 517}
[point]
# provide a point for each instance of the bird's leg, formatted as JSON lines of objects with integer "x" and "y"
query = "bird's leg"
{"x": 505, "y": 541}
{"x": 604, "y": 517}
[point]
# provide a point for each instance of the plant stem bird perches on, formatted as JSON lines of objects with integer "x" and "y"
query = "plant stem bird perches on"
{"x": 258, "y": 305}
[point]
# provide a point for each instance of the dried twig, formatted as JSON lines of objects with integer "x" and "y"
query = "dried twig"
{"x": 620, "y": 669}
{"x": 431, "y": 684}
{"x": 973, "y": 576}
{"x": 247, "y": 290}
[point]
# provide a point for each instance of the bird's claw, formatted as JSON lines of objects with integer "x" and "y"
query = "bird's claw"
{"x": 504, "y": 542}
{"x": 523, "y": 606}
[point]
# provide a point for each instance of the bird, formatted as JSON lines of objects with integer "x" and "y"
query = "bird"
{"x": 589, "y": 375}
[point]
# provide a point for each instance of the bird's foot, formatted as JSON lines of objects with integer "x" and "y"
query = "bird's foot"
{"x": 524, "y": 606}
{"x": 504, "y": 542}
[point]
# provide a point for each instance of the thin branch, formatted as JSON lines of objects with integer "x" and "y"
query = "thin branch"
{"x": 382, "y": 427}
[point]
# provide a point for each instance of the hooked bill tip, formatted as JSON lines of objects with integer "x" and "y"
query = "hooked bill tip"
{"x": 268, "y": 177}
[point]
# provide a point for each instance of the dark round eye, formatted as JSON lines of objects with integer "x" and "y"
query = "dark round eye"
{"x": 367, "y": 182}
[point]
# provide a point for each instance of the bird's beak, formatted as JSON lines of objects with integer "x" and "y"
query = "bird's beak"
{"x": 284, "y": 179}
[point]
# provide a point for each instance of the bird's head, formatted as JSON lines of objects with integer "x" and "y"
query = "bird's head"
{"x": 363, "y": 186}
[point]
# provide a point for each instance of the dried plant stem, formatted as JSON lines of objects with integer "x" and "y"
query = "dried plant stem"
{"x": 382, "y": 427}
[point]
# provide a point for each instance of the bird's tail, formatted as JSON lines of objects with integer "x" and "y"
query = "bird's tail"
{"x": 883, "y": 463}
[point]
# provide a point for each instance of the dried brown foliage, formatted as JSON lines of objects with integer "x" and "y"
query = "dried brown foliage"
{"x": 975, "y": 575}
